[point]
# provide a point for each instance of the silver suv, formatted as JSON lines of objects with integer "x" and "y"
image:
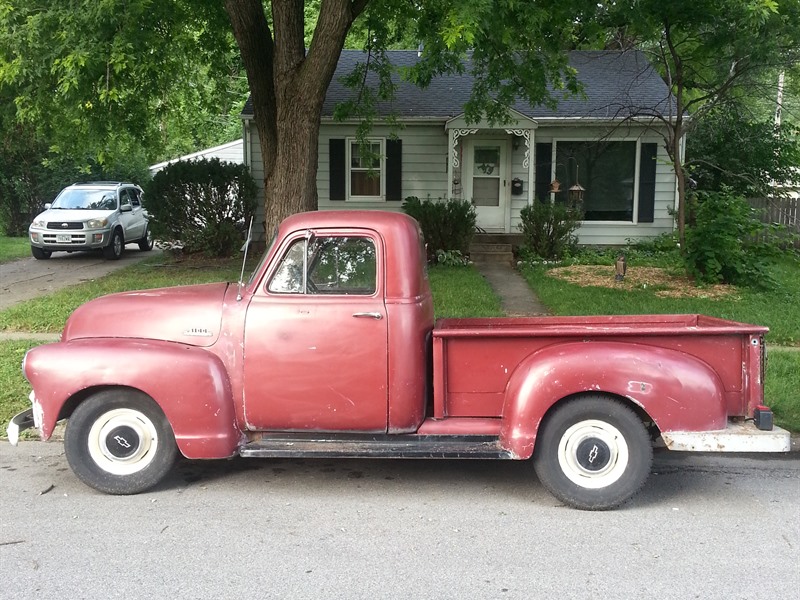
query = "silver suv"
{"x": 90, "y": 216}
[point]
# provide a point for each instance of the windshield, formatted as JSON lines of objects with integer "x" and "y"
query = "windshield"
{"x": 263, "y": 259}
{"x": 86, "y": 199}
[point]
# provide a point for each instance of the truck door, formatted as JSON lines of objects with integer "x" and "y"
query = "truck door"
{"x": 315, "y": 355}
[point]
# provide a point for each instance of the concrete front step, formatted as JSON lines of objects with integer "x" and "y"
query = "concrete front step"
{"x": 493, "y": 248}
{"x": 492, "y": 255}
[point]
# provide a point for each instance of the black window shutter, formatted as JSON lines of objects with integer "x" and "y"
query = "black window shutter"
{"x": 338, "y": 171}
{"x": 394, "y": 170}
{"x": 544, "y": 167}
{"x": 647, "y": 182}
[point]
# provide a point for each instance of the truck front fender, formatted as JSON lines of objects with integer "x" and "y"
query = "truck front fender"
{"x": 190, "y": 385}
{"x": 677, "y": 391}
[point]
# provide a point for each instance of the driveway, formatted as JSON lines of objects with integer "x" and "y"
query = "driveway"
{"x": 28, "y": 278}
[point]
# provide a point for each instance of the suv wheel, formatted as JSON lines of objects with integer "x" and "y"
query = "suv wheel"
{"x": 115, "y": 247}
{"x": 40, "y": 254}
{"x": 146, "y": 243}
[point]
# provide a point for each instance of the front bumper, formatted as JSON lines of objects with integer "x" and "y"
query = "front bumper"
{"x": 19, "y": 423}
{"x": 78, "y": 239}
{"x": 33, "y": 417}
{"x": 738, "y": 436}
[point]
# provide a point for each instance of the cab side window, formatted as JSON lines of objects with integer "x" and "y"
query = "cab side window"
{"x": 124, "y": 198}
{"x": 335, "y": 265}
{"x": 134, "y": 197}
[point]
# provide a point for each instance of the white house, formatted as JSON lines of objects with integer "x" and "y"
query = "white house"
{"x": 606, "y": 140}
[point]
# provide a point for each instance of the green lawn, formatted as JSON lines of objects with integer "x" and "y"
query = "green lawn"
{"x": 778, "y": 309}
{"x": 12, "y": 248}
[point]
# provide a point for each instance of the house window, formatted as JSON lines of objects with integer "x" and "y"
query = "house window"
{"x": 606, "y": 169}
{"x": 366, "y": 170}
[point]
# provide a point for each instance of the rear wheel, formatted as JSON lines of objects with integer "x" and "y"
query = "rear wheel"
{"x": 593, "y": 453}
{"x": 116, "y": 246}
{"x": 120, "y": 442}
{"x": 40, "y": 253}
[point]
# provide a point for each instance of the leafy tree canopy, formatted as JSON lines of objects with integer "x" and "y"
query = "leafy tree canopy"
{"x": 102, "y": 77}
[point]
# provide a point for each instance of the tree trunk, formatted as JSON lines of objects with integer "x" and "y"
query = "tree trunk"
{"x": 680, "y": 175}
{"x": 291, "y": 185}
{"x": 287, "y": 89}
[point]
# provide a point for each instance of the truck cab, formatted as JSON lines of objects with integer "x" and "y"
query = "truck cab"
{"x": 337, "y": 328}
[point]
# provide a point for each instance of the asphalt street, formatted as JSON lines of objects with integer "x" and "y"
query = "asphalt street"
{"x": 705, "y": 526}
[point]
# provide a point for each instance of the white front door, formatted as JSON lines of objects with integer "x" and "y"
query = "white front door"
{"x": 487, "y": 183}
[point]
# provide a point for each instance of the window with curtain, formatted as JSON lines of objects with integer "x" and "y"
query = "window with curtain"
{"x": 365, "y": 168}
{"x": 607, "y": 171}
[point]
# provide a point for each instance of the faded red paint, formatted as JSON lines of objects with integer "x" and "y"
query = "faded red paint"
{"x": 226, "y": 369}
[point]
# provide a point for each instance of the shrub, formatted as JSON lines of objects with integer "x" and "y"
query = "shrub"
{"x": 451, "y": 258}
{"x": 203, "y": 204}
{"x": 448, "y": 225}
{"x": 727, "y": 243}
{"x": 549, "y": 229}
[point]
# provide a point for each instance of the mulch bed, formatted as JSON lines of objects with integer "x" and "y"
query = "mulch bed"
{"x": 666, "y": 284}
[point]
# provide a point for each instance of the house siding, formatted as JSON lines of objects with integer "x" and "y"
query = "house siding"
{"x": 424, "y": 172}
{"x": 425, "y": 154}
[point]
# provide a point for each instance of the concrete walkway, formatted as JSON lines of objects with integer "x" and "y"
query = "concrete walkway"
{"x": 516, "y": 298}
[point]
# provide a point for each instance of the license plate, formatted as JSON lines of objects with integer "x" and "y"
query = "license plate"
{"x": 64, "y": 238}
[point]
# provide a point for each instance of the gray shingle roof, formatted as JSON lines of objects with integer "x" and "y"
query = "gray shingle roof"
{"x": 615, "y": 85}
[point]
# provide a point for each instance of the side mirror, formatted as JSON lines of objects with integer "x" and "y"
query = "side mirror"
{"x": 47, "y": 206}
{"x": 125, "y": 208}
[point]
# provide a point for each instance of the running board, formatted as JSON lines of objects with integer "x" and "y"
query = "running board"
{"x": 374, "y": 446}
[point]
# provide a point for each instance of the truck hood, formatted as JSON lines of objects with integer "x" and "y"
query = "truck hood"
{"x": 189, "y": 314}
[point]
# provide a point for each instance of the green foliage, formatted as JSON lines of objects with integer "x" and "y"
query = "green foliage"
{"x": 716, "y": 158}
{"x": 451, "y": 258}
{"x": 96, "y": 77}
{"x": 448, "y": 225}
{"x": 204, "y": 204}
{"x": 727, "y": 243}
{"x": 549, "y": 229}
{"x": 31, "y": 174}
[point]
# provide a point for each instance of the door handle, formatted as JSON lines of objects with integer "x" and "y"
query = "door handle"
{"x": 371, "y": 315}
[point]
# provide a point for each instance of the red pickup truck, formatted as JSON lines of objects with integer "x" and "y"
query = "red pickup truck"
{"x": 330, "y": 349}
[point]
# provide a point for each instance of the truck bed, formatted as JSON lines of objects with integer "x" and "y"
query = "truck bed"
{"x": 474, "y": 359}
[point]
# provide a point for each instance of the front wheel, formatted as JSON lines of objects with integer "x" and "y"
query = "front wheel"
{"x": 593, "y": 453}
{"x": 119, "y": 442}
{"x": 39, "y": 253}
{"x": 116, "y": 246}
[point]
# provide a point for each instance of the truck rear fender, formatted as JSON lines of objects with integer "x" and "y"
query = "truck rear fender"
{"x": 189, "y": 384}
{"x": 677, "y": 391}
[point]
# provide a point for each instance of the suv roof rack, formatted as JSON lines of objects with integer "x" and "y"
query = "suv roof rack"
{"x": 116, "y": 183}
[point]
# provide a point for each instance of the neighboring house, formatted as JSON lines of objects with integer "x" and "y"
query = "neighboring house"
{"x": 231, "y": 152}
{"x": 605, "y": 140}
